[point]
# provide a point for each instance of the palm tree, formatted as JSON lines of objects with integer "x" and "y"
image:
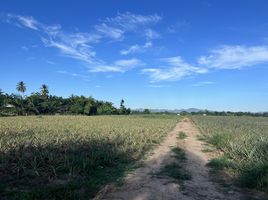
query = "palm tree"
{"x": 2, "y": 98}
{"x": 21, "y": 87}
{"x": 44, "y": 90}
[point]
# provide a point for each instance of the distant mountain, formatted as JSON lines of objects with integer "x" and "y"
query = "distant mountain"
{"x": 191, "y": 110}
{"x": 171, "y": 110}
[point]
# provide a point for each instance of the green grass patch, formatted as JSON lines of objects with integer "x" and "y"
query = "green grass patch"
{"x": 221, "y": 163}
{"x": 254, "y": 175}
{"x": 179, "y": 153}
{"x": 176, "y": 172}
{"x": 182, "y": 135}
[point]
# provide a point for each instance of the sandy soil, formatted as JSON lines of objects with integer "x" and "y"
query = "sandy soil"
{"x": 143, "y": 184}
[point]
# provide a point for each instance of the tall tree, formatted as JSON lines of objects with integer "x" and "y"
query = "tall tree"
{"x": 122, "y": 109}
{"x": 122, "y": 103}
{"x": 44, "y": 90}
{"x": 21, "y": 87}
{"x": 2, "y": 98}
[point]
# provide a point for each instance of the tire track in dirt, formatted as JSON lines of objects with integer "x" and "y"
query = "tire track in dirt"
{"x": 143, "y": 184}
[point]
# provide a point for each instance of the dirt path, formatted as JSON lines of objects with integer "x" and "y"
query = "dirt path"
{"x": 143, "y": 184}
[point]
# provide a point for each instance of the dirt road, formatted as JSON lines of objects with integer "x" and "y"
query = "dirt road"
{"x": 143, "y": 184}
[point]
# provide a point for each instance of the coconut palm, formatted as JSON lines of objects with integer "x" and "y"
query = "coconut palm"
{"x": 21, "y": 87}
{"x": 44, "y": 90}
{"x": 2, "y": 98}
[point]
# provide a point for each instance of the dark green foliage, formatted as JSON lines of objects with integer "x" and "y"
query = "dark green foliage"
{"x": 175, "y": 169}
{"x": 218, "y": 139}
{"x": 43, "y": 103}
{"x": 255, "y": 175}
{"x": 179, "y": 153}
{"x": 221, "y": 163}
{"x": 146, "y": 111}
{"x": 182, "y": 135}
{"x": 176, "y": 172}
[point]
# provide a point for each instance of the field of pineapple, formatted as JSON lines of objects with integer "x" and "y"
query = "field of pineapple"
{"x": 72, "y": 157}
{"x": 244, "y": 141}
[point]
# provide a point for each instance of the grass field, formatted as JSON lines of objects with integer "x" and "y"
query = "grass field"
{"x": 72, "y": 157}
{"x": 244, "y": 140}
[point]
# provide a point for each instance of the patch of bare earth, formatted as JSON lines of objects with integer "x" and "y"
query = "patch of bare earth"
{"x": 144, "y": 184}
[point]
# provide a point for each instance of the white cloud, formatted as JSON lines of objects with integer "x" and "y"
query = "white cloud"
{"x": 74, "y": 45}
{"x": 117, "y": 66}
{"x": 129, "y": 21}
{"x": 136, "y": 48}
{"x": 151, "y": 34}
{"x": 158, "y": 86}
{"x": 116, "y": 27}
{"x": 111, "y": 32}
{"x": 80, "y": 45}
{"x": 235, "y": 57}
{"x": 50, "y": 62}
{"x": 178, "y": 26}
{"x": 25, "y": 21}
{"x": 175, "y": 69}
{"x": 82, "y": 52}
{"x": 203, "y": 83}
{"x": 85, "y": 78}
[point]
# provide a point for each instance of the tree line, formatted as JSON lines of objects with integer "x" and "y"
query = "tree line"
{"x": 43, "y": 103}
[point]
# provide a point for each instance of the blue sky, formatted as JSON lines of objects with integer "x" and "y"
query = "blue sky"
{"x": 154, "y": 54}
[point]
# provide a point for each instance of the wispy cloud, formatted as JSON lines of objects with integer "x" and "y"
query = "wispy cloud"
{"x": 50, "y": 62}
{"x": 118, "y": 66}
{"x": 78, "y": 51}
{"x": 81, "y": 45}
{"x": 158, "y": 86}
{"x": 85, "y": 78}
{"x": 110, "y": 32}
{"x": 177, "y": 27}
{"x": 136, "y": 48}
{"x": 24, "y": 48}
{"x": 175, "y": 69}
{"x": 131, "y": 22}
{"x": 151, "y": 34}
{"x": 225, "y": 57}
{"x": 203, "y": 83}
{"x": 116, "y": 27}
{"x": 25, "y": 21}
{"x": 235, "y": 57}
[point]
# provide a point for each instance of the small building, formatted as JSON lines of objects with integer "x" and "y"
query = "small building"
{"x": 9, "y": 106}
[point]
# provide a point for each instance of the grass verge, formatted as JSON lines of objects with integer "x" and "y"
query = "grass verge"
{"x": 175, "y": 169}
{"x": 244, "y": 141}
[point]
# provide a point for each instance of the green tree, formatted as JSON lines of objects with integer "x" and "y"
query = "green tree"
{"x": 21, "y": 87}
{"x": 122, "y": 109}
{"x": 44, "y": 90}
{"x": 2, "y": 98}
{"x": 146, "y": 111}
{"x": 2, "y": 101}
